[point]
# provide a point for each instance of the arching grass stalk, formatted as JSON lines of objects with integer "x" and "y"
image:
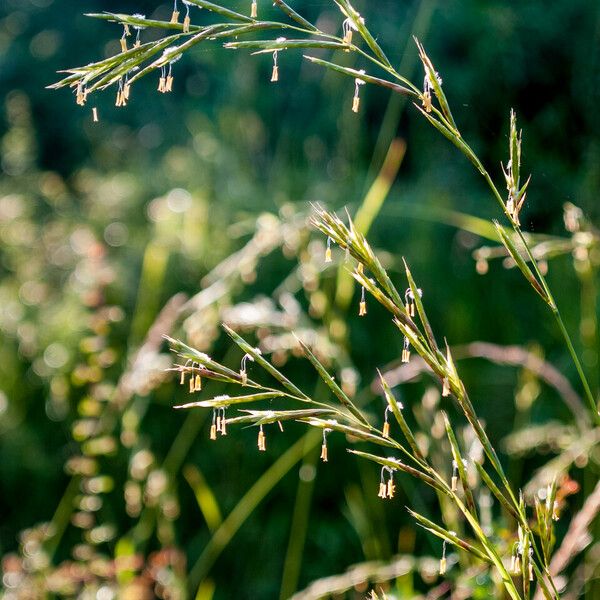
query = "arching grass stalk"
{"x": 129, "y": 66}
{"x": 341, "y": 414}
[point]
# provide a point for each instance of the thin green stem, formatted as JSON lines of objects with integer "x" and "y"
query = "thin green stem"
{"x": 588, "y": 392}
{"x": 62, "y": 516}
{"x": 551, "y": 302}
{"x": 247, "y": 504}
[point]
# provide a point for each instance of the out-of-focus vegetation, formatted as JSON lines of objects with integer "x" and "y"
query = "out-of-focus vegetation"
{"x": 117, "y": 232}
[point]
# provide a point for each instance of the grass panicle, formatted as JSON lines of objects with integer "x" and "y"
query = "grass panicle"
{"x": 339, "y": 413}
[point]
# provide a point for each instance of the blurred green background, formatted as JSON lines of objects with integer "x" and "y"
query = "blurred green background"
{"x": 101, "y": 224}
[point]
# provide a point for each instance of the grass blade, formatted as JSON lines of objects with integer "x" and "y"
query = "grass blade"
{"x": 437, "y": 88}
{"x": 246, "y": 506}
{"x": 207, "y": 503}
